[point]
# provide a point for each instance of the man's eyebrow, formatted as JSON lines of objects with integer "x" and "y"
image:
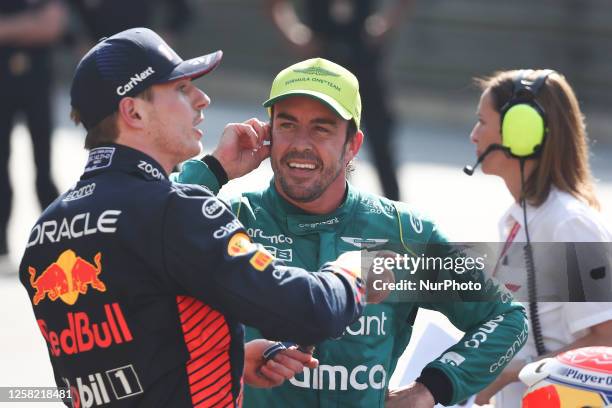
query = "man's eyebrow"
{"x": 325, "y": 121}
{"x": 317, "y": 121}
{"x": 286, "y": 116}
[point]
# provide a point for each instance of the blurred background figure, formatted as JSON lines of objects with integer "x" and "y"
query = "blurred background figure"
{"x": 103, "y": 18}
{"x": 29, "y": 29}
{"x": 354, "y": 34}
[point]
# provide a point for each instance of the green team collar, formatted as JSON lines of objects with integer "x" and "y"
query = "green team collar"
{"x": 300, "y": 222}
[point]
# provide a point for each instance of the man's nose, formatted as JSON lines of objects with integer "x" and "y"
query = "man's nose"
{"x": 302, "y": 139}
{"x": 201, "y": 100}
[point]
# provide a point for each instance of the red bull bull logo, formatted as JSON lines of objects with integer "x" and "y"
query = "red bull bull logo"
{"x": 66, "y": 278}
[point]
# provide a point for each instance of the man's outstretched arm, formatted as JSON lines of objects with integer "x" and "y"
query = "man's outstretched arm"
{"x": 210, "y": 257}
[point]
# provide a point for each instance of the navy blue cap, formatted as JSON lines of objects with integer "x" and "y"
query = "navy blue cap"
{"x": 125, "y": 65}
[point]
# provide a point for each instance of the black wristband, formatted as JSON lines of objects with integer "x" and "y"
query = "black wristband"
{"x": 216, "y": 168}
{"x": 438, "y": 384}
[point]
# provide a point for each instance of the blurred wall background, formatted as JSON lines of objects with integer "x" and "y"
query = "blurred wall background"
{"x": 440, "y": 47}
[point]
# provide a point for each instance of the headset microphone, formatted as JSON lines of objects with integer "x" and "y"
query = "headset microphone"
{"x": 469, "y": 170}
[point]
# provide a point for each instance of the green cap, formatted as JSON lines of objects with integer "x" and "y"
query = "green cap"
{"x": 321, "y": 79}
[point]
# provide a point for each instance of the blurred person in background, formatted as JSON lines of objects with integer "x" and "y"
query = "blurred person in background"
{"x": 354, "y": 34}
{"x": 29, "y": 29}
{"x": 532, "y": 119}
{"x": 103, "y": 18}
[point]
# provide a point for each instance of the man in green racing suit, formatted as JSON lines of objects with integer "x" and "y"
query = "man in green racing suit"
{"x": 309, "y": 215}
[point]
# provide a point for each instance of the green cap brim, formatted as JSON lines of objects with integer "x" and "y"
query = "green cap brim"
{"x": 326, "y": 99}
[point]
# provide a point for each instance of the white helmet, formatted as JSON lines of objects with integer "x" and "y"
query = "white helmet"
{"x": 580, "y": 378}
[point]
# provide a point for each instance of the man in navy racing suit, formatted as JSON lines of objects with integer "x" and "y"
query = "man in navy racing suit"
{"x": 139, "y": 286}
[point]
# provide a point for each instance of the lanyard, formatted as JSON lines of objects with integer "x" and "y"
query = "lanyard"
{"x": 515, "y": 228}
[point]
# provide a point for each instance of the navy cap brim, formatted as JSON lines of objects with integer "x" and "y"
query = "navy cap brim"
{"x": 196, "y": 67}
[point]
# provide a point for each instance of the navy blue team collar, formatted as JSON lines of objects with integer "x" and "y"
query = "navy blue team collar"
{"x": 120, "y": 158}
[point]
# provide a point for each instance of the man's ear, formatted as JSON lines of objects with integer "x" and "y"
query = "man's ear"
{"x": 132, "y": 112}
{"x": 353, "y": 146}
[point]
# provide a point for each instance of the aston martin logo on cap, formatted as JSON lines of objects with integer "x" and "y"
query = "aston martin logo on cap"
{"x": 316, "y": 71}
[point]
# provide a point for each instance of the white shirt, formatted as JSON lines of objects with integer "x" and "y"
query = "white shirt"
{"x": 561, "y": 218}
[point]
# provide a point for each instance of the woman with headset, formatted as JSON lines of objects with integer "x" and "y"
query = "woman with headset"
{"x": 531, "y": 133}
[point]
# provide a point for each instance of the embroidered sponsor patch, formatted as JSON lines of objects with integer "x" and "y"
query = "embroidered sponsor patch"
{"x": 239, "y": 244}
{"x": 99, "y": 158}
{"x": 212, "y": 208}
{"x": 261, "y": 260}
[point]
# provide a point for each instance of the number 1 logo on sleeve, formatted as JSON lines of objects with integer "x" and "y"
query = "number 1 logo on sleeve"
{"x": 124, "y": 381}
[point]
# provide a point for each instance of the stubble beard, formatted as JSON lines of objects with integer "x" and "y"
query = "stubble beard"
{"x": 311, "y": 192}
